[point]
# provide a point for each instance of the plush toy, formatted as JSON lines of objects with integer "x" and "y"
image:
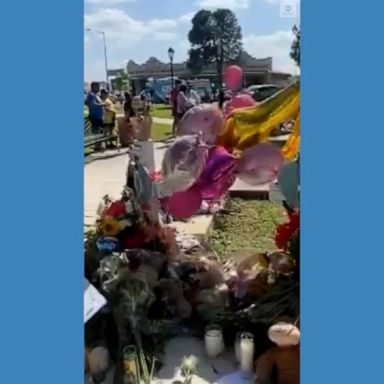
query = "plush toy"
{"x": 281, "y": 364}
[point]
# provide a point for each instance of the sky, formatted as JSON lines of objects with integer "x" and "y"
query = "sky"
{"x": 138, "y": 29}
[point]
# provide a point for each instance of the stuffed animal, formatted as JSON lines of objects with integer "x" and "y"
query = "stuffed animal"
{"x": 281, "y": 364}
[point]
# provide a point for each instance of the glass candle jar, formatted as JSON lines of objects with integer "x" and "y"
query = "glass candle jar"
{"x": 130, "y": 365}
{"x": 214, "y": 343}
{"x": 247, "y": 350}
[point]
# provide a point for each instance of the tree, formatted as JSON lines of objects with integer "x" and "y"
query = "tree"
{"x": 121, "y": 81}
{"x": 295, "y": 48}
{"x": 215, "y": 37}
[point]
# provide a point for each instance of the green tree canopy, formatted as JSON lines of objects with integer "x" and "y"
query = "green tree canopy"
{"x": 215, "y": 37}
{"x": 121, "y": 81}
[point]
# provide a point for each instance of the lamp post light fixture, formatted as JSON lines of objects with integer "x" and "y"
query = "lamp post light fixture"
{"x": 102, "y": 33}
{"x": 171, "y": 55}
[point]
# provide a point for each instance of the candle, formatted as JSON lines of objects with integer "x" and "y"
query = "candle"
{"x": 237, "y": 346}
{"x": 246, "y": 354}
{"x": 214, "y": 343}
{"x": 131, "y": 373}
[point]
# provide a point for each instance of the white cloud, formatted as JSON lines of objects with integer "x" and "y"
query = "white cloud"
{"x": 126, "y": 37}
{"x": 122, "y": 30}
{"x": 230, "y": 4}
{"x": 187, "y": 17}
{"x": 108, "y": 2}
{"x": 161, "y": 24}
{"x": 276, "y": 45}
{"x": 165, "y": 36}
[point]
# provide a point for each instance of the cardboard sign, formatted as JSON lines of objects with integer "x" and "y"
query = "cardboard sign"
{"x": 93, "y": 300}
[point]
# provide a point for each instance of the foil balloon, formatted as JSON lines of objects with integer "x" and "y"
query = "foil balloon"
{"x": 183, "y": 163}
{"x": 183, "y": 205}
{"x": 241, "y": 100}
{"x": 218, "y": 175}
{"x": 289, "y": 183}
{"x": 204, "y": 119}
{"x": 233, "y": 77}
{"x": 260, "y": 164}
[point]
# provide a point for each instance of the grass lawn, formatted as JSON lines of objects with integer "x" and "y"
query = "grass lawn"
{"x": 246, "y": 223}
{"x": 160, "y": 131}
{"x": 161, "y": 110}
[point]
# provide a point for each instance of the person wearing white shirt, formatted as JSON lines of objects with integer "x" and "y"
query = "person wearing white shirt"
{"x": 192, "y": 95}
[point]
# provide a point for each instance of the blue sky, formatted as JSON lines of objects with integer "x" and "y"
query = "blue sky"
{"x": 138, "y": 29}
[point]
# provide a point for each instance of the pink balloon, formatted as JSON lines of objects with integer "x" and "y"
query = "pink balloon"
{"x": 242, "y": 100}
{"x": 218, "y": 175}
{"x": 234, "y": 77}
{"x": 260, "y": 164}
{"x": 183, "y": 205}
{"x": 206, "y": 119}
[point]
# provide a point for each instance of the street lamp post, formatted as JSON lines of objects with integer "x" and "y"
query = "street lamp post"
{"x": 171, "y": 55}
{"x": 102, "y": 33}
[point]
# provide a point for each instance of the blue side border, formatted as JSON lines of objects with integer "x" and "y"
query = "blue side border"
{"x": 41, "y": 168}
{"x": 342, "y": 196}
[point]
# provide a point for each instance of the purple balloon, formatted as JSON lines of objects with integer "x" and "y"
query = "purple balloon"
{"x": 260, "y": 164}
{"x": 218, "y": 175}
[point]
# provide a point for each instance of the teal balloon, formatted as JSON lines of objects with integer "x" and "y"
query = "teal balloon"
{"x": 289, "y": 183}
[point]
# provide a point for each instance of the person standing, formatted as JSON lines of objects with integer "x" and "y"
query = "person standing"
{"x": 128, "y": 107}
{"x": 192, "y": 95}
{"x": 173, "y": 101}
{"x": 109, "y": 119}
{"x": 127, "y": 124}
{"x": 95, "y": 106}
{"x": 183, "y": 103}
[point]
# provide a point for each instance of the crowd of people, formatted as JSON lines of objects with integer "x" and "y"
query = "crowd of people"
{"x": 103, "y": 115}
{"x": 183, "y": 97}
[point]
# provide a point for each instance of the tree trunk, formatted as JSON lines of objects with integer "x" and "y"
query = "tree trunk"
{"x": 219, "y": 67}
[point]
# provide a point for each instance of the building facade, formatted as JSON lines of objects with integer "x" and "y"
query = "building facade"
{"x": 256, "y": 71}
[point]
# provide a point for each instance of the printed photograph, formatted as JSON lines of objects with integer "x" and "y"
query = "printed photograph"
{"x": 192, "y": 191}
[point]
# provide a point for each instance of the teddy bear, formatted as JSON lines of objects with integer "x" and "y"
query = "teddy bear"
{"x": 280, "y": 364}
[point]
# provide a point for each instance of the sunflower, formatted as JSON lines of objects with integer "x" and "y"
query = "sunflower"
{"x": 110, "y": 226}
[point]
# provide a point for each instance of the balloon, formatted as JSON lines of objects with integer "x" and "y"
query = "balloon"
{"x": 218, "y": 175}
{"x": 205, "y": 118}
{"x": 183, "y": 164}
{"x": 241, "y": 100}
{"x": 260, "y": 164}
{"x": 182, "y": 205}
{"x": 289, "y": 183}
{"x": 233, "y": 77}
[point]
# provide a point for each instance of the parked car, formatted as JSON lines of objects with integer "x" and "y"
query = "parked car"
{"x": 262, "y": 92}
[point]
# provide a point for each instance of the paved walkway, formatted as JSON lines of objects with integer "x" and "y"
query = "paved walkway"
{"x": 105, "y": 174}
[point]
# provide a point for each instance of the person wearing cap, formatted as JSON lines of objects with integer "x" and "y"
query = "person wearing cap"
{"x": 281, "y": 364}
